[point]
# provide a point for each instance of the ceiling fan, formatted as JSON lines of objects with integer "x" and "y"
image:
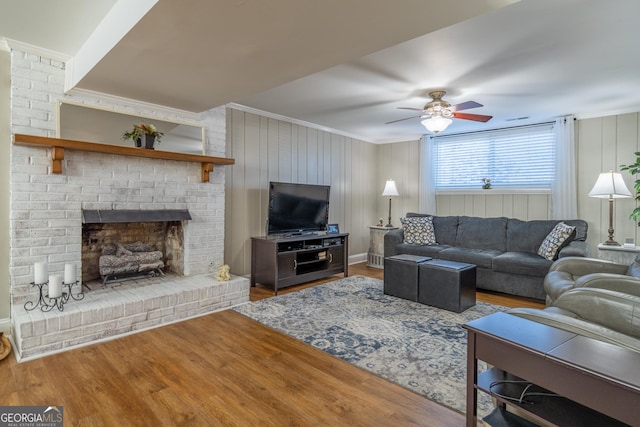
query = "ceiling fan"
{"x": 438, "y": 113}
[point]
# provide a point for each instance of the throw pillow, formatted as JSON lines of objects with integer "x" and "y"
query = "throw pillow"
{"x": 418, "y": 230}
{"x": 555, "y": 240}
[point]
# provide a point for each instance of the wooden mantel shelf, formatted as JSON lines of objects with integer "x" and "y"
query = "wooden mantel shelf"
{"x": 58, "y": 145}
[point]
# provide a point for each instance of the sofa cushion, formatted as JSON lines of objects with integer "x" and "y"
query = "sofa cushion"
{"x": 418, "y": 230}
{"x": 581, "y": 229}
{"x": 480, "y": 257}
{"x": 423, "y": 250}
{"x": 556, "y": 239}
{"x": 445, "y": 227}
{"x": 482, "y": 233}
{"x": 525, "y": 263}
{"x": 527, "y": 236}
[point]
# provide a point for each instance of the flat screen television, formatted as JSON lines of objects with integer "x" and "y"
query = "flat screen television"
{"x": 297, "y": 208}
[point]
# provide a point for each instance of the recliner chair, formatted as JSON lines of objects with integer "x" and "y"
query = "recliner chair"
{"x": 602, "y": 314}
{"x": 578, "y": 272}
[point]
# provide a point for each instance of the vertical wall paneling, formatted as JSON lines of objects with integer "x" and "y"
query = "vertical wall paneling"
{"x": 252, "y": 179}
{"x": 235, "y": 178}
{"x": 285, "y": 152}
{"x": 313, "y": 160}
{"x": 266, "y": 149}
{"x": 604, "y": 143}
{"x": 273, "y": 150}
{"x": 590, "y": 165}
{"x": 302, "y": 161}
{"x": 626, "y": 144}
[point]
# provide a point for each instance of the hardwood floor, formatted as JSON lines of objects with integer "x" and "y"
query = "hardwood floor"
{"x": 221, "y": 369}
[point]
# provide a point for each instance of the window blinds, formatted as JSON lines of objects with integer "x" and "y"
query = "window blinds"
{"x": 518, "y": 157}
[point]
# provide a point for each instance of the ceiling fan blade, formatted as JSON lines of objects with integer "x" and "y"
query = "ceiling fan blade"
{"x": 467, "y": 105}
{"x": 474, "y": 117}
{"x": 400, "y": 120}
{"x": 409, "y": 108}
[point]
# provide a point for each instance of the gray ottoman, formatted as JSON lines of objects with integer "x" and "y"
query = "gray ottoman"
{"x": 401, "y": 275}
{"x": 447, "y": 284}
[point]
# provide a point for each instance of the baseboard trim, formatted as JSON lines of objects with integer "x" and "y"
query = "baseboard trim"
{"x": 357, "y": 258}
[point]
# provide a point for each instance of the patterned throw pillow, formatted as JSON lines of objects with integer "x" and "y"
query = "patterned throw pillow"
{"x": 555, "y": 240}
{"x": 418, "y": 230}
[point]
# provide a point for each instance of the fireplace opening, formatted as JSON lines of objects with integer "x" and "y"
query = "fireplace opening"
{"x": 117, "y": 245}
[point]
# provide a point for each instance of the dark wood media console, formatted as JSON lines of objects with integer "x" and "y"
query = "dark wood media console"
{"x": 279, "y": 262}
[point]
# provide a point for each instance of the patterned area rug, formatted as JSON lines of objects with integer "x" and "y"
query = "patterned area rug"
{"x": 416, "y": 346}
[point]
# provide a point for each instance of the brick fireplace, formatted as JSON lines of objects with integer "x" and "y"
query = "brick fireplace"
{"x": 46, "y": 222}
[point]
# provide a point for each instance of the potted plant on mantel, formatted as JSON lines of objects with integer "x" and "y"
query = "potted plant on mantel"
{"x": 146, "y": 133}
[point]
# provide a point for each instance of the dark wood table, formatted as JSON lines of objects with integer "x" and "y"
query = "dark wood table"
{"x": 599, "y": 383}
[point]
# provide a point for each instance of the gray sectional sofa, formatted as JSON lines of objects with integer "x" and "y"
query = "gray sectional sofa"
{"x": 503, "y": 249}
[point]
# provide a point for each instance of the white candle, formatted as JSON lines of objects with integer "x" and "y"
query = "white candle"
{"x": 55, "y": 286}
{"x": 40, "y": 272}
{"x": 69, "y": 273}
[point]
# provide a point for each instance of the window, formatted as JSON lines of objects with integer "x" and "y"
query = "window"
{"x": 519, "y": 157}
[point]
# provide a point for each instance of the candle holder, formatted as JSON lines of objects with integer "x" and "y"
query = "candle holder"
{"x": 47, "y": 304}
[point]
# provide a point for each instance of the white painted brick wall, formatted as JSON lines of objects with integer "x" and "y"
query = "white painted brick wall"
{"x": 46, "y": 209}
{"x": 46, "y": 225}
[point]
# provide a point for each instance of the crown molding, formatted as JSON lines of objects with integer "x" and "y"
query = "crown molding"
{"x": 319, "y": 127}
{"x": 296, "y": 121}
{"x": 36, "y": 50}
{"x": 185, "y": 116}
{"x": 628, "y": 110}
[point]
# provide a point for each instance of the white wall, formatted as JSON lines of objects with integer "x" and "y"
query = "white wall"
{"x": 267, "y": 149}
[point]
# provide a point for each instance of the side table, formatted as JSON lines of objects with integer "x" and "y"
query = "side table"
{"x": 618, "y": 254}
{"x": 375, "y": 256}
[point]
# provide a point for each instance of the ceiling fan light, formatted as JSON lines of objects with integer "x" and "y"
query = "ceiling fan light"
{"x": 436, "y": 124}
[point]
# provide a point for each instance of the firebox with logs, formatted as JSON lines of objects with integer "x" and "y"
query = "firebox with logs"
{"x": 123, "y": 261}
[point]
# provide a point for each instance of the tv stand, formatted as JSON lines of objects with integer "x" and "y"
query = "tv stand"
{"x": 301, "y": 233}
{"x": 279, "y": 262}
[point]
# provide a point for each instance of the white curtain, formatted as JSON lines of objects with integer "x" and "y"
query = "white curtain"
{"x": 564, "y": 199}
{"x": 427, "y": 199}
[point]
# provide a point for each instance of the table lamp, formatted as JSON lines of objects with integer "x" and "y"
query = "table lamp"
{"x": 390, "y": 190}
{"x": 610, "y": 185}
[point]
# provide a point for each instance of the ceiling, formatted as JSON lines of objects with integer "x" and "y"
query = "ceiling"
{"x": 348, "y": 65}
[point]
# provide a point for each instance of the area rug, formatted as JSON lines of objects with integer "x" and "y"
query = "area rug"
{"x": 416, "y": 346}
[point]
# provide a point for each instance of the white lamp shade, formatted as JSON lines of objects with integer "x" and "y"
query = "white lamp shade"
{"x": 610, "y": 185}
{"x": 390, "y": 189}
{"x": 436, "y": 124}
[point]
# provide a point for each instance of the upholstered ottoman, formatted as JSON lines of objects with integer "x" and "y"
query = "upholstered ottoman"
{"x": 401, "y": 275}
{"x": 447, "y": 284}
